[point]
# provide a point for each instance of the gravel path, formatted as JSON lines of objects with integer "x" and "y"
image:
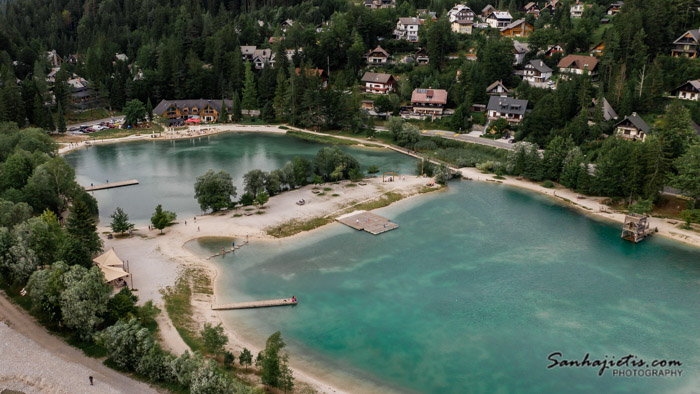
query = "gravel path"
{"x": 34, "y": 361}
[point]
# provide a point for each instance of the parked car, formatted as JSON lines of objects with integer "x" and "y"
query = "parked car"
{"x": 74, "y": 128}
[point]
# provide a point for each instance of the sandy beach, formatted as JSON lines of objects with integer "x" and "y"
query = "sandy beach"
{"x": 157, "y": 260}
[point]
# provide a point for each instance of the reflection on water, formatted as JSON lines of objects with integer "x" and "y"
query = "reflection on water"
{"x": 166, "y": 170}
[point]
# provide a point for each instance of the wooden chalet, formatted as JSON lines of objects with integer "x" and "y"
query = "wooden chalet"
{"x": 422, "y": 57}
{"x": 636, "y": 227}
{"x": 614, "y": 8}
{"x": 598, "y": 49}
{"x": 377, "y": 56}
{"x": 497, "y": 89}
{"x": 578, "y": 64}
{"x": 429, "y": 102}
{"x": 206, "y": 110}
{"x": 687, "y": 44}
{"x": 519, "y": 28}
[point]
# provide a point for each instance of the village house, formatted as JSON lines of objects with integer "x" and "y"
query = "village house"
{"x": 286, "y": 25}
{"x": 608, "y": 111}
{"x": 121, "y": 57}
{"x": 205, "y": 110}
{"x": 460, "y": 12}
{"x": 497, "y": 89}
{"x": 520, "y": 49}
{"x": 247, "y": 52}
{"x": 688, "y": 91}
{"x": 510, "y": 109}
{"x": 598, "y": 49}
{"x": 377, "y": 4}
{"x": 378, "y": 83}
{"x": 407, "y": 29}
{"x": 54, "y": 59}
{"x": 578, "y": 64}
{"x": 377, "y": 56}
{"x": 428, "y": 102}
{"x": 462, "y": 26}
{"x": 532, "y": 8}
{"x": 614, "y": 8}
{"x": 262, "y": 58}
{"x": 554, "y": 49}
{"x": 518, "y": 28}
{"x": 577, "y": 10}
{"x": 499, "y": 19}
{"x": 536, "y": 71}
{"x": 82, "y": 96}
{"x": 632, "y": 128}
{"x": 72, "y": 59}
{"x": 488, "y": 10}
{"x": 552, "y": 6}
{"x": 687, "y": 44}
{"x": 422, "y": 57}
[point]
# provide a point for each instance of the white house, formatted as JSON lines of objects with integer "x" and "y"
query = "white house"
{"x": 378, "y": 83}
{"x": 577, "y": 10}
{"x": 499, "y": 19}
{"x": 497, "y": 89}
{"x": 460, "y": 12}
{"x": 520, "y": 49}
{"x": 688, "y": 91}
{"x": 536, "y": 71}
{"x": 578, "y": 64}
{"x": 632, "y": 128}
{"x": 377, "y": 56}
{"x": 510, "y": 109}
{"x": 407, "y": 29}
{"x": 462, "y": 26}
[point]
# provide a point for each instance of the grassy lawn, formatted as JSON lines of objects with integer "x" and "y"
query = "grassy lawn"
{"x": 118, "y": 133}
{"x": 597, "y": 35}
{"x": 178, "y": 303}
{"x": 86, "y": 116}
{"x": 296, "y": 226}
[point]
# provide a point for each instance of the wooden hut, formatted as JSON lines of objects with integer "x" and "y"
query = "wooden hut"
{"x": 636, "y": 227}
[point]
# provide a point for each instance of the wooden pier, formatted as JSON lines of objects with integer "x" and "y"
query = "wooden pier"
{"x": 255, "y": 304}
{"x": 111, "y": 185}
{"x": 367, "y": 221}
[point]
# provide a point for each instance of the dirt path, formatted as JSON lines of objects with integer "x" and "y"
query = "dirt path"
{"x": 42, "y": 362}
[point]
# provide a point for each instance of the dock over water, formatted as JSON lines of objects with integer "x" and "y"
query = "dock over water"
{"x": 111, "y": 185}
{"x": 255, "y": 304}
{"x": 368, "y": 221}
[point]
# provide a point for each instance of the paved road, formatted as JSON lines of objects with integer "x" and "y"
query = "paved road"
{"x": 501, "y": 144}
{"x": 25, "y": 325}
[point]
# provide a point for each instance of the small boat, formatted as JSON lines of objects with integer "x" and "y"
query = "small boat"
{"x": 302, "y": 202}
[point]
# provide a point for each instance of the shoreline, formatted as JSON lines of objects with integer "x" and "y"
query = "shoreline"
{"x": 165, "y": 256}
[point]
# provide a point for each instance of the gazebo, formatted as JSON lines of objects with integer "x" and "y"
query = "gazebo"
{"x": 112, "y": 267}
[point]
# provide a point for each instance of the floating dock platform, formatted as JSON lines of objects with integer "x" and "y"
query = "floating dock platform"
{"x": 255, "y": 304}
{"x": 367, "y": 221}
{"x": 111, "y": 185}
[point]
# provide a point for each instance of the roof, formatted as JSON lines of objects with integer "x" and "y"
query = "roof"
{"x": 529, "y": 5}
{"x": 500, "y": 15}
{"x": 540, "y": 66}
{"x": 507, "y": 105}
{"x": 495, "y": 84}
{"x": 487, "y": 8}
{"x": 248, "y": 49}
{"x": 411, "y": 21}
{"x": 521, "y": 47}
{"x": 636, "y": 121}
{"x": 579, "y": 61}
{"x": 608, "y": 111}
{"x": 695, "y": 83}
{"x": 199, "y": 103}
{"x": 695, "y": 127}
{"x": 111, "y": 265}
{"x": 310, "y": 72}
{"x": 438, "y": 96}
{"x": 694, "y": 33}
{"x": 376, "y": 77}
{"x": 463, "y": 22}
{"x": 513, "y": 24}
{"x": 378, "y": 49}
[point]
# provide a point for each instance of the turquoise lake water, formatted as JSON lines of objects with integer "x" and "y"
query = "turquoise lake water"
{"x": 471, "y": 293}
{"x": 167, "y": 170}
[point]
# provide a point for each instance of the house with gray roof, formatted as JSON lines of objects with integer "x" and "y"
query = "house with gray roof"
{"x": 688, "y": 91}
{"x": 203, "y": 109}
{"x": 536, "y": 71}
{"x": 687, "y": 44}
{"x": 511, "y": 109}
{"x": 632, "y": 128}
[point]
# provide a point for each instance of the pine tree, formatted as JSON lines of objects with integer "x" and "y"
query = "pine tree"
{"x": 61, "y": 119}
{"x": 223, "y": 115}
{"x": 279, "y": 102}
{"x": 250, "y": 99}
{"x": 81, "y": 226}
{"x": 236, "y": 108}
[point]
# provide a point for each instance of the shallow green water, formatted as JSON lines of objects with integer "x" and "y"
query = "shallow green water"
{"x": 471, "y": 294}
{"x": 167, "y": 170}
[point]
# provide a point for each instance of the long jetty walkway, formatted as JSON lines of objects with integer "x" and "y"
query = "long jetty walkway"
{"x": 111, "y": 185}
{"x": 255, "y": 304}
{"x": 368, "y": 221}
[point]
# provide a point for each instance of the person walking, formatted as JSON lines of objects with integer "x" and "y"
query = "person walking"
{"x": 91, "y": 384}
